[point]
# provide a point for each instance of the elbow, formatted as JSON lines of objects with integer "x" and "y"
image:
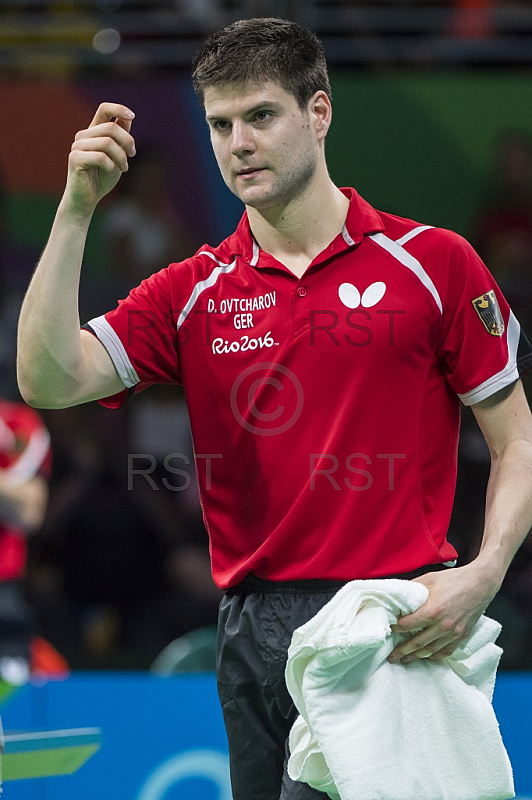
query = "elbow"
{"x": 28, "y": 395}
{"x": 517, "y": 451}
{"x": 37, "y": 399}
{"x": 40, "y": 393}
{"x": 28, "y": 387}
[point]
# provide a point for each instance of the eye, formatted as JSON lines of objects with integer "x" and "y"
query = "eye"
{"x": 262, "y": 116}
{"x": 221, "y": 125}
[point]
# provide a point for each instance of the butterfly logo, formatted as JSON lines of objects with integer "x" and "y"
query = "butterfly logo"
{"x": 350, "y": 296}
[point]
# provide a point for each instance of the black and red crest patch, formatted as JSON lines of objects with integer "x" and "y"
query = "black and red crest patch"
{"x": 487, "y": 308}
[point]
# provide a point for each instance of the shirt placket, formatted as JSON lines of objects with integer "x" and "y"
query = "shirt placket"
{"x": 301, "y": 305}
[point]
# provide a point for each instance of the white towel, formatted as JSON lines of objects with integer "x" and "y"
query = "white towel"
{"x": 371, "y": 730}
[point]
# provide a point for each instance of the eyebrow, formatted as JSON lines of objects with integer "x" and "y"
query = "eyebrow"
{"x": 248, "y": 112}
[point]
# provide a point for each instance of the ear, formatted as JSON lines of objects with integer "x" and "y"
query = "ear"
{"x": 320, "y": 113}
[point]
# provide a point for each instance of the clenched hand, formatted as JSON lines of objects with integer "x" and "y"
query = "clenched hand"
{"x": 98, "y": 158}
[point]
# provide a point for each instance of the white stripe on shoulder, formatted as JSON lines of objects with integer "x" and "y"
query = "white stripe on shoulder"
{"x": 509, "y": 374}
{"x": 28, "y": 464}
{"x": 112, "y": 343}
{"x": 414, "y": 232}
{"x": 205, "y": 284}
{"x": 408, "y": 260}
{"x": 220, "y": 263}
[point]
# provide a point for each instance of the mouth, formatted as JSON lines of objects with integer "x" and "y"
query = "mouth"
{"x": 250, "y": 172}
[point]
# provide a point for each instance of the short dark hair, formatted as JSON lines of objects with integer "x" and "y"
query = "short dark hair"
{"x": 261, "y": 49}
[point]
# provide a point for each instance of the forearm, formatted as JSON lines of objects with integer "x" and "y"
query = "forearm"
{"x": 49, "y": 359}
{"x": 508, "y": 517}
{"x": 23, "y": 505}
{"x": 458, "y": 597}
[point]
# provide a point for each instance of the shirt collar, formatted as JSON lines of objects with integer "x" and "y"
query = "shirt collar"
{"x": 361, "y": 220}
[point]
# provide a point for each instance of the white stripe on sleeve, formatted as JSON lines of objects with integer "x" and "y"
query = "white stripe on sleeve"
{"x": 111, "y": 341}
{"x": 507, "y": 375}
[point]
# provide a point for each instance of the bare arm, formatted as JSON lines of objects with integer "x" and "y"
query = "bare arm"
{"x": 23, "y": 505}
{"x": 458, "y": 597}
{"x": 57, "y": 364}
{"x": 507, "y": 428}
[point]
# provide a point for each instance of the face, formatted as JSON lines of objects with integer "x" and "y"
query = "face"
{"x": 266, "y": 146}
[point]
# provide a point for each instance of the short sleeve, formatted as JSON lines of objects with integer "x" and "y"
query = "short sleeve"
{"x": 140, "y": 335}
{"x": 481, "y": 343}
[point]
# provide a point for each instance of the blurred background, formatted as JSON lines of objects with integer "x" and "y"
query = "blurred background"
{"x": 433, "y": 120}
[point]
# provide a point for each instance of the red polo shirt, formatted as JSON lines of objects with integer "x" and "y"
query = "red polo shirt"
{"x": 24, "y": 453}
{"x": 324, "y": 410}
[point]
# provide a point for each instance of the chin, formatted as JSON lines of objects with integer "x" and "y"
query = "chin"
{"x": 254, "y": 201}
{"x": 257, "y": 202}
{"x": 260, "y": 199}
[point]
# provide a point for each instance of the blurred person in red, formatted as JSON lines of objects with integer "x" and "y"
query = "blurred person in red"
{"x": 25, "y": 463}
{"x": 473, "y": 19}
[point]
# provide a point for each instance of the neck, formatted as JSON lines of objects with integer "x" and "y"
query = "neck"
{"x": 303, "y": 227}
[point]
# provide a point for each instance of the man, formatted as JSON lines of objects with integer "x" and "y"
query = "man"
{"x": 24, "y": 468}
{"x": 322, "y": 348}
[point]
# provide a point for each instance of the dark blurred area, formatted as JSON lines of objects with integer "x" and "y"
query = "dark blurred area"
{"x": 154, "y": 34}
{"x": 120, "y": 567}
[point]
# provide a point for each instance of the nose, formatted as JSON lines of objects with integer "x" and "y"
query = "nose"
{"x": 242, "y": 141}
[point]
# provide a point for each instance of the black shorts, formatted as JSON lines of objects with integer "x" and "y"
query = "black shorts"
{"x": 256, "y": 621}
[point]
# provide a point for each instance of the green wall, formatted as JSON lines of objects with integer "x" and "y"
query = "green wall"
{"x": 29, "y": 219}
{"x": 421, "y": 145}
{"x": 415, "y": 144}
